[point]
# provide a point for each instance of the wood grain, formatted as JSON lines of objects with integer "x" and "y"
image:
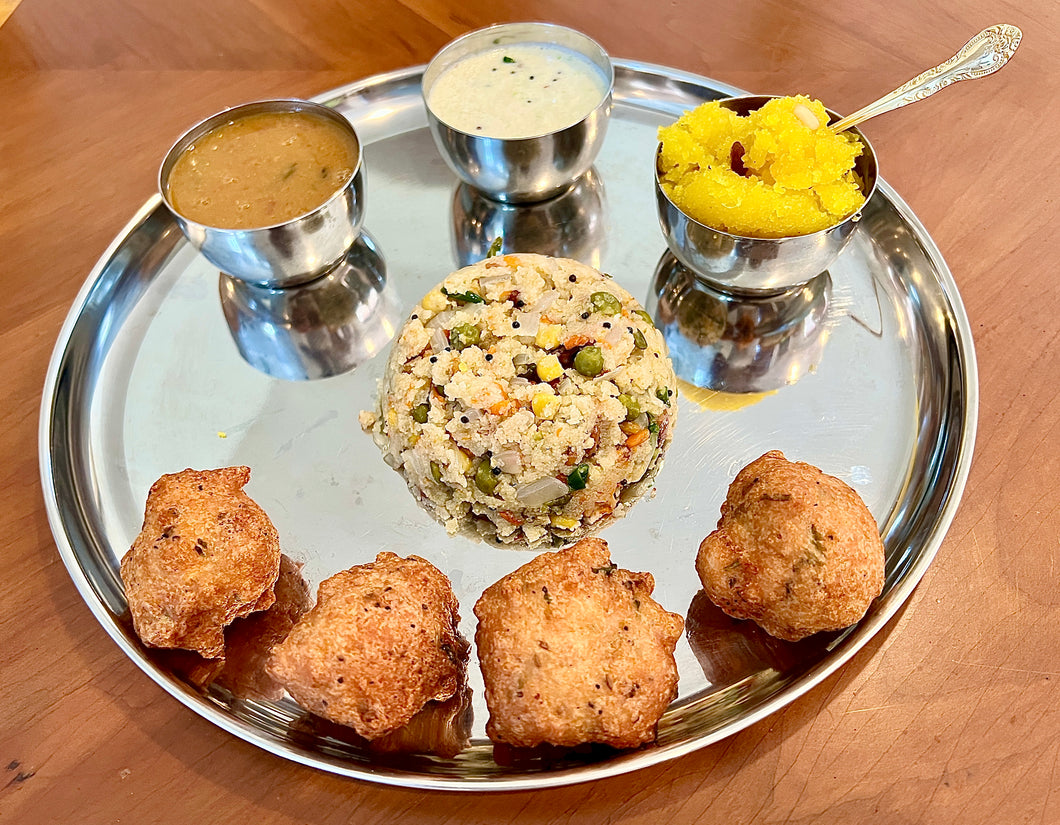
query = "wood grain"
{"x": 952, "y": 714}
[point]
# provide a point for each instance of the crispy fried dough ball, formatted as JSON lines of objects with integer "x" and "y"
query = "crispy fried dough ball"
{"x": 574, "y": 649}
{"x": 796, "y": 550}
{"x": 380, "y": 643}
{"x": 207, "y": 554}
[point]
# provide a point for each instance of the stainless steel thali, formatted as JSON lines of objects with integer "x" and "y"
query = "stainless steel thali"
{"x": 869, "y": 374}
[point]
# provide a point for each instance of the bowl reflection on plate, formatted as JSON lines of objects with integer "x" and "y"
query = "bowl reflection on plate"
{"x": 319, "y": 329}
{"x": 759, "y": 266}
{"x": 738, "y": 344}
{"x": 523, "y": 169}
{"x": 570, "y": 225}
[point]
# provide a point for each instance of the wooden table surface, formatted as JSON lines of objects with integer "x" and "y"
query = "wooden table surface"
{"x": 951, "y": 714}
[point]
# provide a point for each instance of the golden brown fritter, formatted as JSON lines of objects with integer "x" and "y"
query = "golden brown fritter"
{"x": 207, "y": 554}
{"x": 796, "y": 550}
{"x": 381, "y": 642}
{"x": 574, "y": 649}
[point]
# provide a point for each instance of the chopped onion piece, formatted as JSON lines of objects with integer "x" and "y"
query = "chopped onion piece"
{"x": 510, "y": 461}
{"x": 441, "y": 320}
{"x": 529, "y": 322}
{"x": 544, "y": 302}
{"x": 438, "y": 340}
{"x": 542, "y": 491}
{"x": 614, "y": 336}
{"x": 418, "y": 465}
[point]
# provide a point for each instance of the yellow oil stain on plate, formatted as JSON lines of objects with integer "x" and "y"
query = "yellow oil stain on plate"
{"x": 718, "y": 401}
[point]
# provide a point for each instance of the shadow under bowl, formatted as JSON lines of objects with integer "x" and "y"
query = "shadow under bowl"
{"x": 759, "y": 266}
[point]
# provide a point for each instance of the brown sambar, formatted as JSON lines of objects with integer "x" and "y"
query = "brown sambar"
{"x": 261, "y": 170}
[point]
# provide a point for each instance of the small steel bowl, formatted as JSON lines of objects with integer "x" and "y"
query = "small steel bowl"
{"x": 285, "y": 254}
{"x": 759, "y": 266}
{"x": 534, "y": 168}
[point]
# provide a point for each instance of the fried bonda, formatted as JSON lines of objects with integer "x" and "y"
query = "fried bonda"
{"x": 207, "y": 554}
{"x": 573, "y": 649}
{"x": 380, "y": 643}
{"x": 796, "y": 550}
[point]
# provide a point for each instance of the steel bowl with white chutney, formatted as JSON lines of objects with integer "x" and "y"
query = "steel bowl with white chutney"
{"x": 527, "y": 168}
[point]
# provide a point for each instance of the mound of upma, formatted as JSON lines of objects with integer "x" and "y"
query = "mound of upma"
{"x": 776, "y": 173}
{"x": 528, "y": 400}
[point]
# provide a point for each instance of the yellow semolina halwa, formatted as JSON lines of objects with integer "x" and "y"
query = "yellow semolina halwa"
{"x": 765, "y": 175}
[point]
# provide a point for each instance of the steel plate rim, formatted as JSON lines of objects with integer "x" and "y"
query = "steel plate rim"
{"x": 624, "y": 763}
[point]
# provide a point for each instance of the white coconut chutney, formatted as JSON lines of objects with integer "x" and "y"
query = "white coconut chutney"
{"x": 517, "y": 91}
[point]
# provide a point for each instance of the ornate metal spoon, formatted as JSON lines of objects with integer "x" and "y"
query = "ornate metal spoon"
{"x": 984, "y": 54}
